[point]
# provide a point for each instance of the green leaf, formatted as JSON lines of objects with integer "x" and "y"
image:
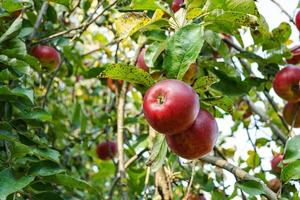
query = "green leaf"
{"x": 141, "y": 5}
{"x": 158, "y": 153}
{"x": 203, "y": 83}
{"x": 224, "y": 102}
{"x": 70, "y": 182}
{"x": 153, "y": 51}
{"x": 282, "y": 33}
{"x": 251, "y": 187}
{"x": 62, "y": 2}
{"x": 10, "y": 184}
{"x": 37, "y": 114}
{"x": 292, "y": 150}
{"x": 128, "y": 73}
{"x": 48, "y": 153}
{"x": 45, "y": 168}
{"x": 291, "y": 171}
{"x": 183, "y": 49}
{"x": 261, "y": 142}
{"x": 16, "y": 94}
{"x": 13, "y": 30}
{"x": 231, "y": 86}
{"x": 253, "y": 159}
{"x": 47, "y": 195}
{"x": 14, "y": 5}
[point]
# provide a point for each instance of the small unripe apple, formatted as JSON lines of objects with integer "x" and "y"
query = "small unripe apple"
{"x": 192, "y": 73}
{"x": 171, "y": 106}
{"x": 274, "y": 163}
{"x": 287, "y": 83}
{"x": 113, "y": 84}
{"x": 297, "y": 20}
{"x": 274, "y": 184}
{"x": 141, "y": 61}
{"x": 245, "y": 108}
{"x": 290, "y": 111}
{"x": 106, "y": 150}
{"x": 295, "y": 59}
{"x": 48, "y": 57}
{"x": 192, "y": 196}
{"x": 176, "y": 5}
{"x": 196, "y": 141}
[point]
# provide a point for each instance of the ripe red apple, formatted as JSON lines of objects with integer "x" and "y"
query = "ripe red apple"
{"x": 141, "y": 61}
{"x": 290, "y": 111}
{"x": 176, "y": 5}
{"x": 287, "y": 83}
{"x": 192, "y": 73}
{"x": 274, "y": 184}
{"x": 196, "y": 141}
{"x": 48, "y": 56}
{"x": 171, "y": 106}
{"x": 295, "y": 59}
{"x": 274, "y": 163}
{"x": 106, "y": 150}
{"x": 297, "y": 20}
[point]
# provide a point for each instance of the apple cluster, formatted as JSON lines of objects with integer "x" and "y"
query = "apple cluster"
{"x": 172, "y": 108}
{"x": 287, "y": 86}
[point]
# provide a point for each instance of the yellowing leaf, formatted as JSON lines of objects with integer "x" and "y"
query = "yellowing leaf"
{"x": 129, "y": 23}
{"x": 288, "y": 42}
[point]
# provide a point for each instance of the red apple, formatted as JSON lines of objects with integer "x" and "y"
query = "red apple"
{"x": 106, "y": 150}
{"x": 196, "y": 141}
{"x": 274, "y": 163}
{"x": 295, "y": 59}
{"x": 286, "y": 83}
{"x": 48, "y": 56}
{"x": 171, "y": 106}
{"x": 176, "y": 5}
{"x": 141, "y": 61}
{"x": 297, "y": 20}
{"x": 192, "y": 73}
{"x": 274, "y": 184}
{"x": 290, "y": 111}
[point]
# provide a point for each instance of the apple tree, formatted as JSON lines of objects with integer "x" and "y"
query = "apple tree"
{"x": 153, "y": 99}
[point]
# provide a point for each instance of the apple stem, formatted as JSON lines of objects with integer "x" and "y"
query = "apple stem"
{"x": 160, "y": 99}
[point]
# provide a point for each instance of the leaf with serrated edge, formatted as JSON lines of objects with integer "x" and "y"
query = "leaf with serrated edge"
{"x": 128, "y": 73}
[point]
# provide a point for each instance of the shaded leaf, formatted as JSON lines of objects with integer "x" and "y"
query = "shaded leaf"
{"x": 158, "y": 153}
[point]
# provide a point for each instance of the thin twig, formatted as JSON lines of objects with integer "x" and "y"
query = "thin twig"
{"x": 50, "y": 84}
{"x": 191, "y": 179}
{"x": 84, "y": 25}
{"x": 39, "y": 19}
{"x": 284, "y": 11}
{"x": 120, "y": 132}
{"x": 238, "y": 172}
{"x": 146, "y": 183}
{"x": 266, "y": 119}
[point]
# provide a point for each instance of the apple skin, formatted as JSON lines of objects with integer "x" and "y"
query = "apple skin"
{"x": 141, "y": 61}
{"x": 48, "y": 57}
{"x": 196, "y": 141}
{"x": 289, "y": 112}
{"x": 274, "y": 163}
{"x": 274, "y": 184}
{"x": 192, "y": 73}
{"x": 106, "y": 150}
{"x": 297, "y": 20}
{"x": 176, "y": 5}
{"x": 286, "y": 83}
{"x": 295, "y": 59}
{"x": 171, "y": 106}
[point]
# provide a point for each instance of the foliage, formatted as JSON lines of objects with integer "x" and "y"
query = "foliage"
{"x": 50, "y": 123}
